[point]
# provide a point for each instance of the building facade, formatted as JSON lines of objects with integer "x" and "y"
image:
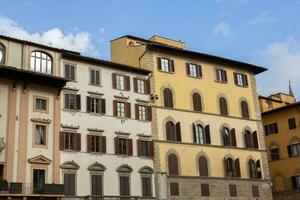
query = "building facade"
{"x": 281, "y": 122}
{"x": 206, "y": 123}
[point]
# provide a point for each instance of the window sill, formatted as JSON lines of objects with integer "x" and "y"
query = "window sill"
{"x": 41, "y": 111}
{"x": 70, "y": 110}
{"x": 166, "y": 72}
{"x": 70, "y": 151}
{"x": 196, "y": 77}
{"x": 42, "y": 146}
{"x": 95, "y": 85}
{"x": 96, "y": 114}
{"x": 96, "y": 153}
{"x": 223, "y": 82}
{"x": 241, "y": 86}
{"x": 122, "y": 118}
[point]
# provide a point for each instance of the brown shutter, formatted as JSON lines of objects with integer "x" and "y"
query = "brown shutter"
{"x": 88, "y": 104}
{"x": 225, "y": 75}
{"x": 172, "y": 65}
{"x": 127, "y": 110}
{"x": 294, "y": 182}
{"x": 78, "y": 141}
{"x": 147, "y": 87}
{"x": 225, "y": 167}
{"x": 258, "y": 169}
{"x": 129, "y": 150}
{"x": 204, "y": 190}
{"x": 116, "y": 145}
{"x": 187, "y": 69}
{"x": 174, "y": 189}
{"x": 103, "y": 144}
{"x": 114, "y": 81}
{"x": 149, "y": 113}
{"x": 127, "y": 83}
{"x": 158, "y": 63}
{"x": 194, "y": 133}
{"x": 237, "y": 168}
{"x": 232, "y": 137}
{"x": 151, "y": 148}
{"x": 203, "y": 167}
{"x": 173, "y": 164}
{"x": 135, "y": 84}
{"x": 103, "y": 106}
{"x": 235, "y": 78}
{"x": 199, "y": 68}
{"x": 137, "y": 116}
{"x": 61, "y": 141}
{"x": 255, "y": 140}
{"x": 89, "y": 143}
{"x": 138, "y": 145}
{"x": 245, "y": 80}
{"x": 289, "y": 149}
{"x": 207, "y": 135}
{"x": 115, "y": 107}
{"x": 178, "y": 132}
{"x": 78, "y": 102}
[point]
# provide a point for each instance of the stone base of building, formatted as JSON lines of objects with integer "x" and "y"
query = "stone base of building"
{"x": 190, "y": 188}
{"x": 287, "y": 195}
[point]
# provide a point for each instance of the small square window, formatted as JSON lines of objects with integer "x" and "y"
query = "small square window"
{"x": 40, "y": 104}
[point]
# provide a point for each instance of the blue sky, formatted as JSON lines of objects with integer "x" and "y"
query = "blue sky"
{"x": 265, "y": 32}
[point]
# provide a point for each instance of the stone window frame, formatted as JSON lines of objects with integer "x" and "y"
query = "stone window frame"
{"x": 96, "y": 169}
{"x": 34, "y": 145}
{"x": 218, "y": 104}
{"x": 240, "y": 108}
{"x": 271, "y": 146}
{"x": 146, "y": 172}
{"x": 75, "y": 70}
{"x": 47, "y": 99}
{"x": 35, "y": 166}
{"x": 124, "y": 170}
{"x": 197, "y": 163}
{"x": 192, "y": 103}
{"x": 100, "y": 76}
{"x": 51, "y": 59}
{"x": 70, "y": 167}
{"x": 169, "y": 152}
{"x": 162, "y": 101}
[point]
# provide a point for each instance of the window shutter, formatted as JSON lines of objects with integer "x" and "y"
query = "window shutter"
{"x": 174, "y": 189}
{"x": 151, "y": 148}
{"x": 137, "y": 116}
{"x": 173, "y": 165}
{"x": 127, "y": 110}
{"x": 255, "y": 140}
{"x": 233, "y": 140}
{"x": 149, "y": 113}
{"x": 232, "y": 190}
{"x": 289, "y": 148}
{"x": 225, "y": 167}
{"x": 127, "y": 83}
{"x": 294, "y": 182}
{"x": 224, "y": 75}
{"x": 199, "y": 70}
{"x": 89, "y": 143}
{"x": 205, "y": 190}
{"x": 147, "y": 86}
{"x": 203, "y": 167}
{"x": 103, "y": 144}
{"x": 129, "y": 146}
{"x": 158, "y": 63}
{"x": 245, "y": 81}
{"x": 188, "y": 69}
{"x": 258, "y": 169}
{"x": 103, "y": 106}
{"x": 135, "y": 84}
{"x": 172, "y": 67}
{"x": 207, "y": 135}
{"x": 115, "y": 107}
{"x": 88, "y": 104}
{"x": 138, "y": 145}
{"x": 237, "y": 167}
{"x": 97, "y": 77}
{"x": 78, "y": 141}
{"x": 235, "y": 78}
{"x": 266, "y": 130}
{"x": 116, "y": 145}
{"x": 78, "y": 102}
{"x": 178, "y": 132}
{"x": 114, "y": 81}
{"x": 276, "y": 127}
{"x": 61, "y": 141}
{"x": 194, "y": 133}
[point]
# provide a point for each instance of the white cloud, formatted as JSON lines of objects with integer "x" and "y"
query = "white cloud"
{"x": 283, "y": 60}
{"x": 80, "y": 41}
{"x": 222, "y": 29}
{"x": 264, "y": 17}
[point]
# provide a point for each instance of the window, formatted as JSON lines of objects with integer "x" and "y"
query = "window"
{"x": 95, "y": 105}
{"x": 141, "y": 86}
{"x": 174, "y": 189}
{"x": 121, "y": 82}
{"x": 145, "y": 148}
{"x": 168, "y": 98}
{"x": 70, "y": 72}
{"x": 173, "y": 165}
{"x": 201, "y": 134}
{"x": 197, "y": 103}
{"x": 232, "y": 190}
{"x": 203, "y": 166}
{"x": 95, "y": 77}
{"x": 274, "y": 153}
{"x": 146, "y": 187}
{"x": 38, "y": 180}
{"x": 294, "y": 150}
{"x": 232, "y": 167}
{"x": 123, "y": 146}
{"x": 251, "y": 140}
{"x": 124, "y": 186}
{"x": 40, "y": 135}
{"x": 142, "y": 112}
{"x": 97, "y": 184}
{"x": 271, "y": 129}
{"x": 40, "y": 104}
{"x": 70, "y": 141}
{"x": 69, "y": 184}
{"x": 240, "y": 79}
{"x": 2, "y": 54}
{"x": 40, "y": 62}
{"x": 255, "y": 191}
{"x": 96, "y": 143}
{"x": 72, "y": 101}
{"x": 245, "y": 110}
{"x": 223, "y": 106}
{"x": 268, "y": 104}
{"x": 292, "y": 123}
{"x": 193, "y": 70}
{"x": 1, "y": 171}
{"x": 221, "y": 75}
{"x": 254, "y": 169}
{"x": 228, "y": 137}
{"x": 165, "y": 65}
{"x": 122, "y": 109}
{"x": 295, "y": 180}
{"x": 173, "y": 131}
{"x": 205, "y": 190}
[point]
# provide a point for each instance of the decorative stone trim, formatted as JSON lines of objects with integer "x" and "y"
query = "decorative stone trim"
{"x": 70, "y": 165}
{"x": 97, "y": 167}
{"x": 124, "y": 169}
{"x": 40, "y": 120}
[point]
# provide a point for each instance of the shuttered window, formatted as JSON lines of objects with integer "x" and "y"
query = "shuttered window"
{"x": 271, "y": 129}
{"x": 223, "y": 106}
{"x": 245, "y": 110}
{"x": 69, "y": 184}
{"x": 294, "y": 150}
{"x": 240, "y": 79}
{"x": 255, "y": 191}
{"x": 174, "y": 189}
{"x": 97, "y": 184}
{"x": 96, "y": 143}
{"x": 193, "y": 70}
{"x": 124, "y": 186}
{"x": 205, "y": 190}
{"x": 70, "y": 72}
{"x": 95, "y": 105}
{"x": 70, "y": 141}
{"x": 251, "y": 140}
{"x": 168, "y": 98}
{"x": 295, "y": 181}
{"x": 292, "y": 123}
{"x": 95, "y": 77}
{"x": 146, "y": 187}
{"x": 165, "y": 65}
{"x": 143, "y": 112}
{"x": 123, "y": 146}
{"x": 229, "y": 138}
{"x": 173, "y": 165}
{"x": 201, "y": 134}
{"x": 221, "y": 75}
{"x": 232, "y": 167}
{"x": 145, "y": 148}
{"x": 72, "y": 101}
{"x": 203, "y": 166}
{"x": 120, "y": 82}
{"x": 141, "y": 86}
{"x": 122, "y": 109}
{"x": 232, "y": 190}
{"x": 173, "y": 131}
{"x": 197, "y": 102}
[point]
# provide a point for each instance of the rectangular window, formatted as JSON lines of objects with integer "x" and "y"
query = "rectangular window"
{"x": 70, "y": 141}
{"x": 232, "y": 190}
{"x": 72, "y": 101}
{"x": 274, "y": 154}
{"x": 94, "y": 104}
{"x": 146, "y": 187}
{"x": 255, "y": 191}
{"x": 165, "y": 65}
{"x": 205, "y": 190}
{"x": 292, "y": 123}
{"x": 141, "y": 86}
{"x": 124, "y": 186}
{"x": 70, "y": 72}
{"x": 123, "y": 146}
{"x": 221, "y": 75}
{"x": 95, "y": 77}
{"x": 240, "y": 79}
{"x": 120, "y": 109}
{"x": 295, "y": 150}
{"x": 40, "y": 104}
{"x": 145, "y": 148}
{"x": 298, "y": 181}
{"x": 193, "y": 70}
{"x": 38, "y": 180}
{"x": 271, "y": 129}
{"x": 174, "y": 189}
{"x": 69, "y": 184}
{"x": 95, "y": 143}
{"x": 120, "y": 82}
{"x": 97, "y": 184}
{"x": 40, "y": 135}
{"x": 142, "y": 113}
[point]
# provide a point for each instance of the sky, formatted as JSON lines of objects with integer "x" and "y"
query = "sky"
{"x": 261, "y": 32}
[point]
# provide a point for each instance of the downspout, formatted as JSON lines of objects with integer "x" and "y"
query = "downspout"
{"x": 142, "y": 56}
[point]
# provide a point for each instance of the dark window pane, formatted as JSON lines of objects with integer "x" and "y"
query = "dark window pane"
{"x": 146, "y": 187}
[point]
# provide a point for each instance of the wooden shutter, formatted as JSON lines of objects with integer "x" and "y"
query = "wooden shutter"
{"x": 223, "y": 106}
{"x": 168, "y": 98}
{"x": 69, "y": 184}
{"x": 232, "y": 190}
{"x": 127, "y": 110}
{"x": 258, "y": 169}
{"x": 96, "y": 184}
{"x": 197, "y": 104}
{"x": 137, "y": 116}
{"x": 124, "y": 186}
{"x": 61, "y": 141}
{"x": 207, "y": 135}
{"x": 203, "y": 167}
{"x": 67, "y": 74}
{"x": 266, "y": 130}
{"x": 78, "y": 141}
{"x": 276, "y": 127}
{"x": 116, "y": 145}
{"x": 149, "y": 113}
{"x": 187, "y": 65}
{"x": 103, "y": 144}
{"x": 199, "y": 71}
{"x": 158, "y": 63}
{"x": 173, "y": 165}
{"x": 146, "y": 187}
{"x": 147, "y": 86}
{"x": 174, "y": 189}
{"x": 89, "y": 143}
{"x": 194, "y": 133}
{"x": 97, "y": 77}
{"x": 178, "y": 132}
{"x": 88, "y": 104}
{"x": 292, "y": 123}
{"x": 232, "y": 137}
{"x": 151, "y": 148}
{"x": 103, "y": 106}
{"x": 172, "y": 67}
{"x": 226, "y": 170}
{"x": 224, "y": 75}
{"x": 245, "y": 80}
{"x": 289, "y": 149}
{"x": 255, "y": 140}
{"x": 204, "y": 189}
{"x": 78, "y": 102}
{"x": 114, "y": 81}
{"x": 255, "y": 191}
{"x": 235, "y": 78}
{"x": 115, "y": 107}
{"x": 237, "y": 167}
{"x": 245, "y": 110}
{"x": 135, "y": 84}
{"x": 294, "y": 182}
{"x": 138, "y": 145}
{"x": 127, "y": 82}
{"x": 129, "y": 147}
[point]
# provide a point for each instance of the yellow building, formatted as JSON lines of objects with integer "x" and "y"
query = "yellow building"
{"x": 281, "y": 116}
{"x": 207, "y": 127}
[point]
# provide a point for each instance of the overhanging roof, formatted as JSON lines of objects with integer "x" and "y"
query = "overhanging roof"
{"x": 297, "y": 104}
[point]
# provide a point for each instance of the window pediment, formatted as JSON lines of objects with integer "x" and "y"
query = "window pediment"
{"x": 70, "y": 165}
{"x": 39, "y": 160}
{"x": 97, "y": 167}
{"x": 124, "y": 169}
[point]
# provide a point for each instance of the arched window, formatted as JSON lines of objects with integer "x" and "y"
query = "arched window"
{"x": 197, "y": 103}
{"x": 199, "y": 134}
{"x": 168, "y": 98}
{"x": 203, "y": 166}
{"x": 2, "y": 54}
{"x": 245, "y": 110}
{"x": 173, "y": 164}
{"x": 252, "y": 168}
{"x": 248, "y": 139}
{"x": 232, "y": 167}
{"x": 41, "y": 62}
{"x": 226, "y": 136}
{"x": 223, "y": 106}
{"x": 170, "y": 130}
